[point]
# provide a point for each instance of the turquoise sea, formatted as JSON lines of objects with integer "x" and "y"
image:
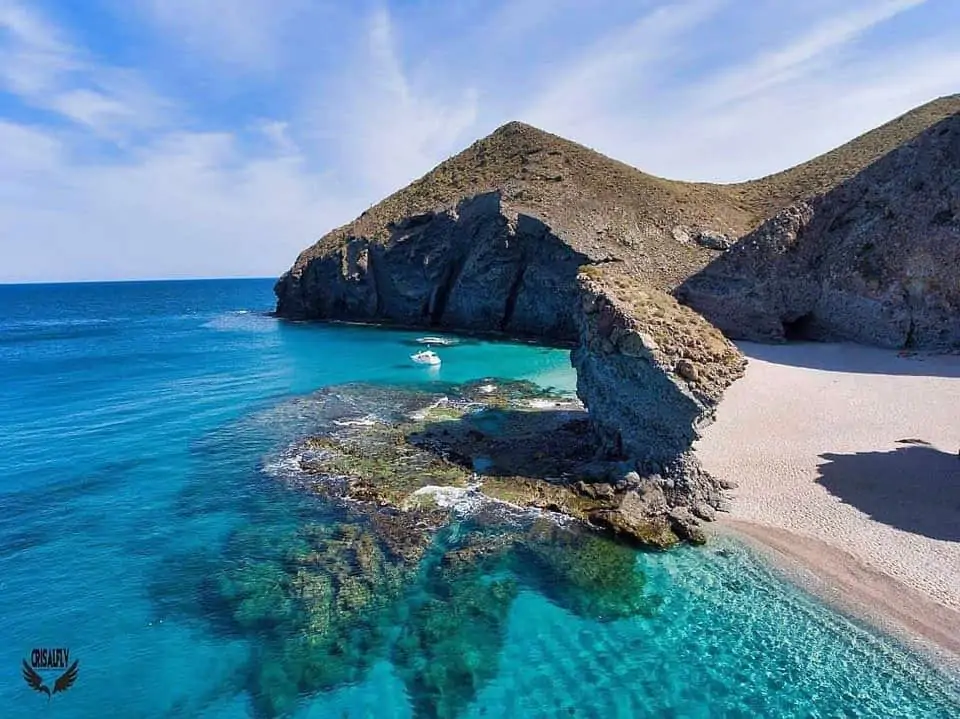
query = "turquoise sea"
{"x": 140, "y": 430}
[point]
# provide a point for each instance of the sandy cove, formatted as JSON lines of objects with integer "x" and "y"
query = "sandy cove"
{"x": 814, "y": 436}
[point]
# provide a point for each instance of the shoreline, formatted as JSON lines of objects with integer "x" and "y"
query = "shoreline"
{"x": 857, "y": 591}
{"x": 844, "y": 465}
{"x": 495, "y": 336}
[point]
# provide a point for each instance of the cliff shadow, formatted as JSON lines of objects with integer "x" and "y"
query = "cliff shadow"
{"x": 549, "y": 444}
{"x": 915, "y": 487}
{"x": 854, "y": 359}
{"x": 472, "y": 269}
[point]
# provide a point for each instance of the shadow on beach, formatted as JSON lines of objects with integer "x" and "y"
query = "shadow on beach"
{"x": 855, "y": 359}
{"x": 915, "y": 488}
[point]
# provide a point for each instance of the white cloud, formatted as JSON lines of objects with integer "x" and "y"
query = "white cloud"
{"x": 170, "y": 203}
{"x": 32, "y": 54}
{"x": 389, "y": 130}
{"x": 191, "y": 188}
{"x": 40, "y": 66}
{"x": 739, "y": 120}
{"x": 805, "y": 54}
{"x": 615, "y": 65}
{"x": 191, "y": 205}
{"x": 248, "y": 33}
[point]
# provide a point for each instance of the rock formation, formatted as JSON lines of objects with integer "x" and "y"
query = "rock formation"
{"x": 651, "y": 373}
{"x": 528, "y": 234}
{"x": 875, "y": 260}
{"x": 649, "y": 369}
{"x": 473, "y": 266}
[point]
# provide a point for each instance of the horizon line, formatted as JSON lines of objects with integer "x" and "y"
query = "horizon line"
{"x": 132, "y": 280}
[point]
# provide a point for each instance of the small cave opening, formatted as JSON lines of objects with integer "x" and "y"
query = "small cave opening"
{"x": 799, "y": 330}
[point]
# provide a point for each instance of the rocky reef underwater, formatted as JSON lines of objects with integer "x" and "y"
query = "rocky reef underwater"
{"x": 437, "y": 505}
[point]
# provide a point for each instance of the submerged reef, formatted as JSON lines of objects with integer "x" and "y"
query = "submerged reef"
{"x": 440, "y": 510}
{"x": 332, "y": 600}
{"x": 320, "y": 605}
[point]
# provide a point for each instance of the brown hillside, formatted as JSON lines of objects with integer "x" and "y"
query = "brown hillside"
{"x": 767, "y": 196}
{"x": 600, "y": 206}
{"x": 606, "y": 209}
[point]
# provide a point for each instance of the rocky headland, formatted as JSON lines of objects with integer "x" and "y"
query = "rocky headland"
{"x": 529, "y": 235}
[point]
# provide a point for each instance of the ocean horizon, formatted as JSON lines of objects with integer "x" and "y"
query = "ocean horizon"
{"x": 153, "y": 524}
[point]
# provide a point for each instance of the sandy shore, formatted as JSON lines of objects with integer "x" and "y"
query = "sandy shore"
{"x": 814, "y": 435}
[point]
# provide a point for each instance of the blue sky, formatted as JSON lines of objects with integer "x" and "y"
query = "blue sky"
{"x": 198, "y": 138}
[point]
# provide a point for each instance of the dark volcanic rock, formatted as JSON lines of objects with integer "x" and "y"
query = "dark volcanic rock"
{"x": 875, "y": 260}
{"x": 472, "y": 267}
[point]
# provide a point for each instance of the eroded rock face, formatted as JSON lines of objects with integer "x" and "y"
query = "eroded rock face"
{"x": 472, "y": 267}
{"x": 875, "y": 260}
{"x": 649, "y": 371}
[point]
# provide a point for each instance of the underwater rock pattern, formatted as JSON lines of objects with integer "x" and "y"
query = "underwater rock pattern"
{"x": 426, "y": 555}
{"x": 322, "y": 603}
{"x": 330, "y": 602}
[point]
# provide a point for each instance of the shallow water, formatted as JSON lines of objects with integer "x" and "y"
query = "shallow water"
{"x": 138, "y": 426}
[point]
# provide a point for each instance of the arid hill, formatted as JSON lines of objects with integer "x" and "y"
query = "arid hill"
{"x": 874, "y": 260}
{"x": 491, "y": 239}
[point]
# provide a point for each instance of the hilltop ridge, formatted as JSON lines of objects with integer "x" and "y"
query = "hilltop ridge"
{"x": 767, "y": 195}
{"x": 605, "y": 209}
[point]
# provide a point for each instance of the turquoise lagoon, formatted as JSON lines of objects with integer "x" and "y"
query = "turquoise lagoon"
{"x": 139, "y": 434}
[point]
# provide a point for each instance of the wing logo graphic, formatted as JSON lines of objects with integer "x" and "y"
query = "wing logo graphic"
{"x": 36, "y": 681}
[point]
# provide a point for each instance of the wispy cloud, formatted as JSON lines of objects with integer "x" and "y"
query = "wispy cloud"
{"x": 741, "y": 116}
{"x": 32, "y": 55}
{"x": 250, "y": 34}
{"x": 387, "y": 129}
{"x": 40, "y": 66}
{"x": 620, "y": 62}
{"x": 218, "y": 137}
{"x": 809, "y": 52}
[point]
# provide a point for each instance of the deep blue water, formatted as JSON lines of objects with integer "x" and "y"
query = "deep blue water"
{"x": 136, "y": 425}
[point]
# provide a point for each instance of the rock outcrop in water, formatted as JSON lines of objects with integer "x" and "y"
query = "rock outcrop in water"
{"x": 493, "y": 442}
{"x": 875, "y": 260}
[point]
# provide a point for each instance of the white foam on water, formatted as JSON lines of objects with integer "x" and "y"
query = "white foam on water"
{"x": 366, "y": 421}
{"x": 284, "y": 466}
{"x": 422, "y": 413}
{"x": 462, "y": 500}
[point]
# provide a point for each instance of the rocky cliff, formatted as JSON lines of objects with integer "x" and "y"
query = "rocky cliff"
{"x": 651, "y": 374}
{"x": 474, "y": 266}
{"x": 514, "y": 214}
{"x": 650, "y": 370}
{"x": 875, "y": 260}
{"x": 518, "y": 211}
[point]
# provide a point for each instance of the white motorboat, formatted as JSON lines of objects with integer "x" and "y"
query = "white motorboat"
{"x": 426, "y": 357}
{"x": 433, "y": 340}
